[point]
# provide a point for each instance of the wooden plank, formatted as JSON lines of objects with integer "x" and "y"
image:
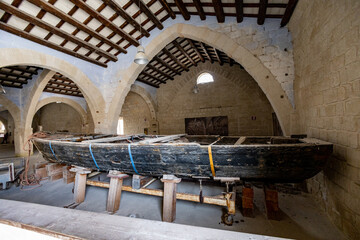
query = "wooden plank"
{"x": 33, "y": 38}
{"x": 184, "y": 52}
{"x": 158, "y": 59}
{"x": 139, "y": 181}
{"x": 206, "y": 52}
{"x": 5, "y": 18}
{"x": 167, "y": 52}
{"x": 239, "y": 10}
{"x": 121, "y": 12}
{"x": 114, "y": 195}
{"x": 112, "y": 139}
{"x": 240, "y": 141}
{"x": 196, "y": 50}
{"x": 159, "y": 71}
{"x": 41, "y": 172}
{"x": 218, "y": 57}
{"x": 262, "y": 12}
{"x": 271, "y": 202}
{"x": 143, "y": 8}
{"x": 169, "y": 203}
{"x": 288, "y": 12}
{"x": 161, "y": 139}
{"x": 65, "y": 17}
{"x": 167, "y": 8}
{"x": 56, "y": 176}
{"x": 80, "y": 187}
{"x": 219, "y": 11}
{"x": 247, "y": 200}
{"x": 98, "y": 16}
{"x": 184, "y": 12}
{"x": 200, "y": 10}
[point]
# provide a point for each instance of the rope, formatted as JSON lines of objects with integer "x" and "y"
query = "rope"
{"x": 52, "y": 150}
{"x": 92, "y": 155}
{"x": 131, "y": 158}
{"x": 211, "y": 161}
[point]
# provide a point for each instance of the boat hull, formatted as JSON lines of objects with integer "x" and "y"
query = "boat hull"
{"x": 260, "y": 162}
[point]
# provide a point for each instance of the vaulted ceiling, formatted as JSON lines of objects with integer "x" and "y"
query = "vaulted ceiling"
{"x": 98, "y": 31}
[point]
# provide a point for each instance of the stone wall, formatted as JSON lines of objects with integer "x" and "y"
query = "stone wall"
{"x": 234, "y": 93}
{"x": 327, "y": 94}
{"x": 136, "y": 114}
{"x": 58, "y": 117}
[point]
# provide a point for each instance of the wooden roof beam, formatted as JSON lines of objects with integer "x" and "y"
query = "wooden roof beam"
{"x": 167, "y": 52}
{"x": 218, "y": 57}
{"x": 14, "y": 74}
{"x": 196, "y": 50}
{"x": 200, "y": 9}
{"x": 143, "y": 8}
{"x": 181, "y": 6}
{"x": 35, "y": 21}
{"x": 64, "y": 93}
{"x": 33, "y": 38}
{"x": 184, "y": 52}
{"x": 167, "y": 8}
{"x": 13, "y": 80}
{"x": 152, "y": 77}
{"x": 122, "y": 13}
{"x": 16, "y": 68}
{"x": 6, "y": 16}
{"x": 147, "y": 82}
{"x": 166, "y": 65}
{"x": 239, "y": 10}
{"x": 63, "y": 88}
{"x": 62, "y": 78}
{"x": 98, "y": 16}
{"x": 159, "y": 71}
{"x": 63, "y": 84}
{"x": 219, "y": 11}
{"x": 262, "y": 12}
{"x": 65, "y": 17}
{"x": 10, "y": 85}
{"x": 288, "y": 12}
{"x": 206, "y": 52}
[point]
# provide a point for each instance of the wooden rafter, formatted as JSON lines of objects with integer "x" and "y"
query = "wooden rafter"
{"x": 10, "y": 85}
{"x": 33, "y": 38}
{"x": 219, "y": 10}
{"x": 168, "y": 53}
{"x": 15, "y": 68}
{"x": 93, "y": 13}
{"x": 218, "y": 57}
{"x": 167, "y": 8}
{"x": 160, "y": 72}
{"x": 59, "y": 32}
{"x": 288, "y": 12}
{"x": 13, "y": 80}
{"x": 239, "y": 10}
{"x": 5, "y": 18}
{"x": 60, "y": 14}
{"x": 166, "y": 65}
{"x": 2, "y": 72}
{"x": 148, "y": 13}
{"x": 152, "y": 77}
{"x": 184, "y": 53}
{"x": 206, "y": 52}
{"x": 182, "y": 9}
{"x": 63, "y": 88}
{"x": 200, "y": 9}
{"x": 40, "y": 15}
{"x": 147, "y": 82}
{"x": 196, "y": 50}
{"x": 121, "y": 12}
{"x": 262, "y": 12}
{"x": 64, "y": 93}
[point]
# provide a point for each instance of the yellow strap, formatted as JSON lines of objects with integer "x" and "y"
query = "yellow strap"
{"x": 211, "y": 161}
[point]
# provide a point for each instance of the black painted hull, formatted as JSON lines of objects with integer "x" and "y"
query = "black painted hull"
{"x": 260, "y": 162}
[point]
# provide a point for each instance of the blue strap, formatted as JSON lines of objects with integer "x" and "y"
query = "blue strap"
{"x": 52, "y": 150}
{"x": 93, "y": 156}
{"x": 131, "y": 158}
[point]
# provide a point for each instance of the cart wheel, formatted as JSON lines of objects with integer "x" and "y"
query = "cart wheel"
{"x": 228, "y": 219}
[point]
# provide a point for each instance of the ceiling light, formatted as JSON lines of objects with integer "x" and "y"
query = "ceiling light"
{"x": 140, "y": 57}
{"x": 2, "y": 90}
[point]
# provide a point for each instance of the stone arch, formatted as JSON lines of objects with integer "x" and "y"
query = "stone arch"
{"x": 94, "y": 98}
{"x": 262, "y": 75}
{"x": 67, "y": 101}
{"x": 147, "y": 97}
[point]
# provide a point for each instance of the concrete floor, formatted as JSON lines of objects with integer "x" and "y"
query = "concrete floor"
{"x": 301, "y": 218}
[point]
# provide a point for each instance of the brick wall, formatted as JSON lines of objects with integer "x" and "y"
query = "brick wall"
{"x": 234, "y": 93}
{"x": 136, "y": 114}
{"x": 327, "y": 95}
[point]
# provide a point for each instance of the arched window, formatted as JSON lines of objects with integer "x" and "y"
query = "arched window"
{"x": 204, "y": 78}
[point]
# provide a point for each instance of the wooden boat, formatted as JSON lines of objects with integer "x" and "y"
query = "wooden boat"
{"x": 270, "y": 159}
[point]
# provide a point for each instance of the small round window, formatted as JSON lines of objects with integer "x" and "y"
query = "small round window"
{"x": 204, "y": 78}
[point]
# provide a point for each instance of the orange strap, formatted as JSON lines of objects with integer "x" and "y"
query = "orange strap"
{"x": 211, "y": 161}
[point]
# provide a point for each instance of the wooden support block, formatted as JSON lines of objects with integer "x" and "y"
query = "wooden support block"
{"x": 114, "y": 194}
{"x": 247, "y": 201}
{"x": 54, "y": 168}
{"x": 169, "y": 204}
{"x": 56, "y": 176}
{"x": 271, "y": 202}
{"x": 80, "y": 183}
{"x": 39, "y": 165}
{"x": 68, "y": 177}
{"x": 41, "y": 172}
{"x": 139, "y": 181}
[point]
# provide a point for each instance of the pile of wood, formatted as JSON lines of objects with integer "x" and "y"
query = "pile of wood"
{"x": 54, "y": 171}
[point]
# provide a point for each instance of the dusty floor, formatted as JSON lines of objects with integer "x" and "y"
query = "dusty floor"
{"x": 301, "y": 217}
